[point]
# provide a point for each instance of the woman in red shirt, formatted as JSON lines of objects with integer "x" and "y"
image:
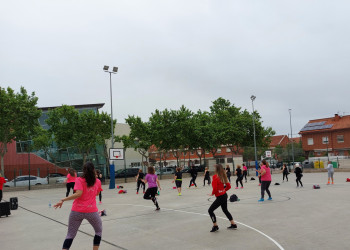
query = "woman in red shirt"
{"x": 220, "y": 185}
{"x": 2, "y": 181}
{"x": 84, "y": 206}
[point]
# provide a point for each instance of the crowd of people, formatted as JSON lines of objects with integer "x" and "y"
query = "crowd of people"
{"x": 88, "y": 186}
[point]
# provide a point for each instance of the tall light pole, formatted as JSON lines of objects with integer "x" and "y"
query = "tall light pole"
{"x": 111, "y": 166}
{"x": 256, "y": 157}
{"x": 326, "y": 141}
{"x": 291, "y": 134}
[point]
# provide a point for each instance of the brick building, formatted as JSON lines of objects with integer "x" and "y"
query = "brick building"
{"x": 324, "y": 135}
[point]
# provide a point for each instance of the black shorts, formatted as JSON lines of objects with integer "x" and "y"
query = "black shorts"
{"x": 178, "y": 183}
{"x": 150, "y": 193}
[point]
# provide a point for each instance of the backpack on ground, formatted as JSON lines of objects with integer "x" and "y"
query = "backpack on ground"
{"x": 347, "y": 179}
{"x": 252, "y": 179}
{"x": 316, "y": 186}
{"x": 233, "y": 198}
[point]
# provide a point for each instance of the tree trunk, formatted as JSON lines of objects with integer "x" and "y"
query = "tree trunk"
{"x": 2, "y": 165}
{"x": 2, "y": 155}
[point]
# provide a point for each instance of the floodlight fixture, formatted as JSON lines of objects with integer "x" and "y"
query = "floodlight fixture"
{"x": 253, "y": 97}
{"x": 105, "y": 68}
{"x": 115, "y": 69}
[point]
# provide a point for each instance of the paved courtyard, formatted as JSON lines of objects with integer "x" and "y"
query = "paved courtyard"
{"x": 297, "y": 218}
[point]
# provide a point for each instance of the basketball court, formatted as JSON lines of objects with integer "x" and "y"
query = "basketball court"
{"x": 296, "y": 218}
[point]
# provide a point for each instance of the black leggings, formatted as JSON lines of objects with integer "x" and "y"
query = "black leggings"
{"x": 299, "y": 180}
{"x": 140, "y": 183}
{"x": 285, "y": 175}
{"x": 0, "y": 195}
{"x": 265, "y": 186}
{"x": 151, "y": 195}
{"x": 69, "y": 186}
{"x": 100, "y": 196}
{"x": 208, "y": 179}
{"x": 239, "y": 179}
{"x": 193, "y": 180}
{"x": 245, "y": 175}
{"x": 220, "y": 201}
{"x": 229, "y": 176}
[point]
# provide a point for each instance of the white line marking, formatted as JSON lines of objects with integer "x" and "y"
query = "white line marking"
{"x": 182, "y": 211}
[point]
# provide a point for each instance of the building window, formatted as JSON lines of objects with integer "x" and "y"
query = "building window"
{"x": 340, "y": 138}
{"x": 220, "y": 161}
{"x": 310, "y": 141}
{"x": 229, "y": 160}
{"x": 228, "y": 150}
{"x": 219, "y": 150}
{"x": 325, "y": 140}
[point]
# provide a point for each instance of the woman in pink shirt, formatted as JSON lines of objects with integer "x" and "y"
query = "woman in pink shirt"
{"x": 71, "y": 176}
{"x": 265, "y": 174}
{"x": 245, "y": 171}
{"x": 84, "y": 206}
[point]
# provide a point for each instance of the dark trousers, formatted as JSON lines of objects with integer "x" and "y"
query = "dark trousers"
{"x": 245, "y": 175}
{"x": 299, "y": 180}
{"x": 285, "y": 175}
{"x": 100, "y": 196}
{"x": 220, "y": 201}
{"x": 229, "y": 176}
{"x": 140, "y": 183}
{"x": 206, "y": 179}
{"x": 265, "y": 187}
{"x": 151, "y": 195}
{"x": 0, "y": 195}
{"x": 69, "y": 186}
{"x": 239, "y": 179}
{"x": 193, "y": 180}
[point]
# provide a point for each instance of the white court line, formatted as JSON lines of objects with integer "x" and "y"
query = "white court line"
{"x": 182, "y": 211}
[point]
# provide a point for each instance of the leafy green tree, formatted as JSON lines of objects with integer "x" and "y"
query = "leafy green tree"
{"x": 19, "y": 118}
{"x": 84, "y": 130}
{"x": 44, "y": 141}
{"x": 140, "y": 133}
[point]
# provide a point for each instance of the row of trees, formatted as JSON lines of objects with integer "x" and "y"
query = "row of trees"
{"x": 68, "y": 127}
{"x": 180, "y": 131}
{"x": 83, "y": 131}
{"x": 170, "y": 131}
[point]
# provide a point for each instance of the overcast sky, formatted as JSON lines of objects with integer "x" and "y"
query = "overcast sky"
{"x": 289, "y": 54}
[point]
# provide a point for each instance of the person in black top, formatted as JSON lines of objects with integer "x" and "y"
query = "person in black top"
{"x": 206, "y": 176}
{"x": 139, "y": 179}
{"x": 298, "y": 173}
{"x": 228, "y": 173}
{"x": 239, "y": 175}
{"x": 178, "y": 180}
{"x": 99, "y": 176}
{"x": 285, "y": 172}
{"x": 193, "y": 173}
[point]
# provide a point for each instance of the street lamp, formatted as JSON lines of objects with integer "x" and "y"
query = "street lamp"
{"x": 326, "y": 141}
{"x": 256, "y": 157}
{"x": 111, "y": 166}
{"x": 291, "y": 133}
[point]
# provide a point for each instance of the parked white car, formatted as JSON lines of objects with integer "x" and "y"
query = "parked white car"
{"x": 61, "y": 180}
{"x": 166, "y": 170}
{"x": 24, "y": 181}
